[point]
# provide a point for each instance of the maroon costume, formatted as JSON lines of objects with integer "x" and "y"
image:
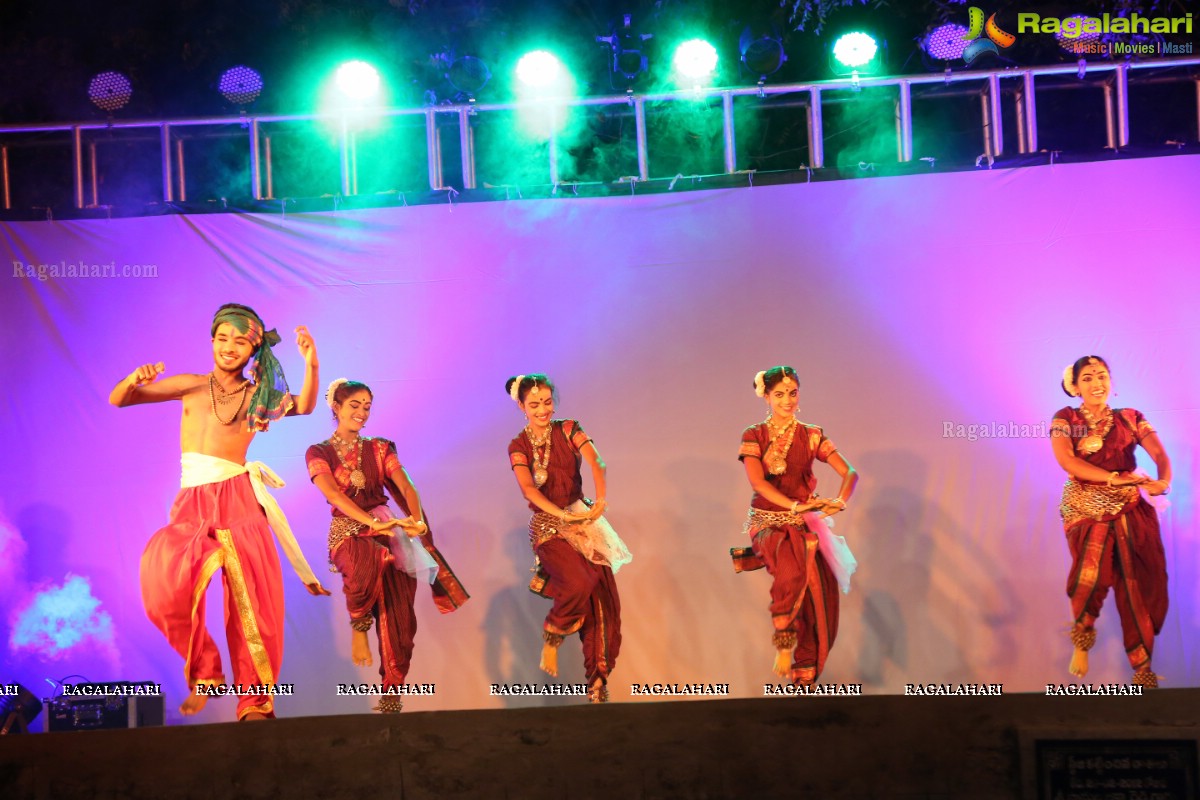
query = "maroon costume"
{"x": 374, "y": 585}
{"x": 1114, "y": 537}
{"x": 804, "y": 592}
{"x": 584, "y": 593}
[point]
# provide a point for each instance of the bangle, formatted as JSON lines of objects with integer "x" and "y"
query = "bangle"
{"x": 795, "y": 504}
{"x": 1113, "y": 476}
{"x": 840, "y": 502}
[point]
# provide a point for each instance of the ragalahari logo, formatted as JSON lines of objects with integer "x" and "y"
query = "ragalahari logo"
{"x": 981, "y": 44}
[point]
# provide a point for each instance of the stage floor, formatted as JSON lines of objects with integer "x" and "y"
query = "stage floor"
{"x": 881, "y": 746}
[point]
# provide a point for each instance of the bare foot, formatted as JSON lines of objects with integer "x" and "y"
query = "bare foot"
{"x": 194, "y": 704}
{"x": 549, "y": 662}
{"x": 253, "y": 716}
{"x": 360, "y": 648}
{"x": 1079, "y": 663}
{"x": 783, "y": 663}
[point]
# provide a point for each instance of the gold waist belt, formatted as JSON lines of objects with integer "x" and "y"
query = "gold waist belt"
{"x": 342, "y": 528}
{"x": 1082, "y": 501}
{"x": 758, "y": 520}
{"x": 543, "y": 526}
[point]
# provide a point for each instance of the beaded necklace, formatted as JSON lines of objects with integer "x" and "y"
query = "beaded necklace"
{"x": 776, "y": 457}
{"x": 1097, "y": 429}
{"x": 226, "y": 398}
{"x": 541, "y": 465}
{"x": 357, "y": 479}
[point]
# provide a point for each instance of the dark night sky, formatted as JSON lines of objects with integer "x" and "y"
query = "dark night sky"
{"x": 174, "y": 51}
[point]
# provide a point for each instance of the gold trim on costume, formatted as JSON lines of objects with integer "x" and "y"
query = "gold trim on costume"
{"x": 543, "y": 527}
{"x": 210, "y": 567}
{"x": 341, "y": 529}
{"x": 241, "y": 597}
{"x": 758, "y": 520}
{"x": 602, "y": 665}
{"x": 1082, "y": 501}
{"x": 575, "y": 626}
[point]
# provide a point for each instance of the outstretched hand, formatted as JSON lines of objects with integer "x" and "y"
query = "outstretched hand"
{"x": 316, "y": 589}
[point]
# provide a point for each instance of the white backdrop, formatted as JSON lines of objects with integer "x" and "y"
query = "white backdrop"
{"x": 905, "y": 303}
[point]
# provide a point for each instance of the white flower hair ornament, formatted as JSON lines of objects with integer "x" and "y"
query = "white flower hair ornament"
{"x": 760, "y": 388}
{"x": 1068, "y": 382}
{"x": 515, "y": 391}
{"x": 332, "y": 390}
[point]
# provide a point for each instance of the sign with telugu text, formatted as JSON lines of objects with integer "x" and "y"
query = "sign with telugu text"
{"x": 1116, "y": 769}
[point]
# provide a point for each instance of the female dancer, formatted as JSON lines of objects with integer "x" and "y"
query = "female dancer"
{"x": 805, "y": 560}
{"x": 379, "y": 569}
{"x": 1111, "y": 530}
{"x": 577, "y": 551}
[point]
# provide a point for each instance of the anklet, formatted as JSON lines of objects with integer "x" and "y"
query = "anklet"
{"x": 1083, "y": 638}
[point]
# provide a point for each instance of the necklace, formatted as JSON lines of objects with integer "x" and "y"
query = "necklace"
{"x": 776, "y": 456}
{"x": 540, "y": 465}
{"x": 357, "y": 479}
{"x": 1097, "y": 430}
{"x": 226, "y": 398}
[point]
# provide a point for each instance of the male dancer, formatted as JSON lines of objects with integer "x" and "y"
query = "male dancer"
{"x": 220, "y": 517}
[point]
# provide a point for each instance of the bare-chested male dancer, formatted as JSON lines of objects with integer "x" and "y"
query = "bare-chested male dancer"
{"x": 221, "y": 515}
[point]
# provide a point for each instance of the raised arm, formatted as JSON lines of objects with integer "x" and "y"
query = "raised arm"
{"x": 304, "y": 402}
{"x": 143, "y": 386}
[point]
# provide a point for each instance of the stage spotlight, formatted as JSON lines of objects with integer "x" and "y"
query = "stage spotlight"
{"x": 240, "y": 85}
{"x": 357, "y": 80}
{"x": 628, "y": 58}
{"x": 110, "y": 91}
{"x": 946, "y": 42}
{"x": 18, "y": 710}
{"x": 762, "y": 51}
{"x": 1083, "y": 42}
{"x": 539, "y": 69}
{"x": 695, "y": 59}
{"x": 468, "y": 75}
{"x": 856, "y": 52}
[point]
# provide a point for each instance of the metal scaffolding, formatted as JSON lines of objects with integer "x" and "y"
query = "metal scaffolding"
{"x": 989, "y": 84}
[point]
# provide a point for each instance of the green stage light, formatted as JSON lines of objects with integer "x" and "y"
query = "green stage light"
{"x": 540, "y": 69}
{"x": 695, "y": 59}
{"x": 357, "y": 80}
{"x": 856, "y": 51}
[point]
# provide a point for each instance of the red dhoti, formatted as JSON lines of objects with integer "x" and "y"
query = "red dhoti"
{"x": 585, "y": 600}
{"x": 218, "y": 526}
{"x": 223, "y": 518}
{"x": 1124, "y": 553}
{"x": 377, "y": 589}
{"x": 804, "y": 597}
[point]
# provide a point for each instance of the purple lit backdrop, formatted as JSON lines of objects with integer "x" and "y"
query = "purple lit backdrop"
{"x": 905, "y": 303}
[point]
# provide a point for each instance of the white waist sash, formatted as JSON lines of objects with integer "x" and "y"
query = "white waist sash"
{"x": 200, "y": 470}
